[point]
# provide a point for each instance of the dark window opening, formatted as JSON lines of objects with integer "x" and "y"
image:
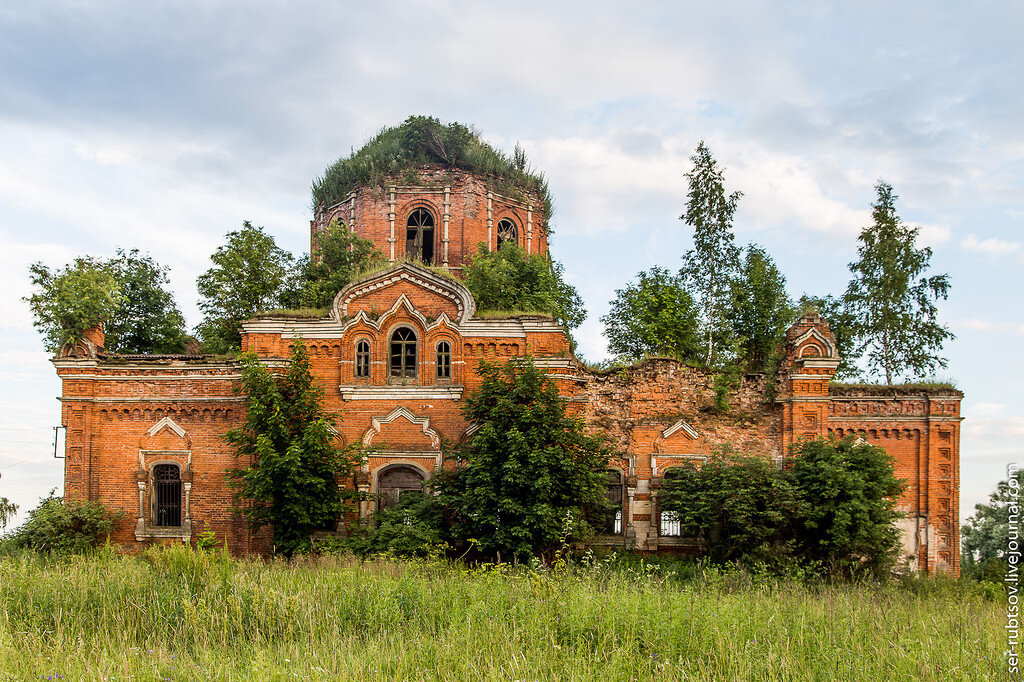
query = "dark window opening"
{"x": 363, "y": 359}
{"x": 403, "y": 353}
{"x": 398, "y": 481}
{"x": 507, "y": 232}
{"x": 613, "y": 493}
{"x": 167, "y": 490}
{"x": 419, "y": 236}
{"x": 444, "y": 360}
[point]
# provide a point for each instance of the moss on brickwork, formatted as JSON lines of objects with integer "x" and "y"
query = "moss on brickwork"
{"x": 423, "y": 141}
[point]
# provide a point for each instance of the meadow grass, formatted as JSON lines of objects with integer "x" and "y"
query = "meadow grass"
{"x": 181, "y": 615}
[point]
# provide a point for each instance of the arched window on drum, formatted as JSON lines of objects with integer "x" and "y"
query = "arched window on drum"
{"x": 419, "y": 236}
{"x": 507, "y": 232}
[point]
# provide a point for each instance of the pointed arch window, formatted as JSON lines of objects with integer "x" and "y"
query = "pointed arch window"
{"x": 419, "y": 236}
{"x": 444, "y": 360}
{"x": 507, "y": 232}
{"x": 403, "y": 353}
{"x": 363, "y": 358}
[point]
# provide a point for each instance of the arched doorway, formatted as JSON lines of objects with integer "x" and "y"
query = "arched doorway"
{"x": 395, "y": 481}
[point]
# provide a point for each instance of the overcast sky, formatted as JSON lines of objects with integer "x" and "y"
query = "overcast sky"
{"x": 161, "y": 126}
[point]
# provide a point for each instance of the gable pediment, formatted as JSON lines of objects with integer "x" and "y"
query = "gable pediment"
{"x": 679, "y": 437}
{"x": 407, "y": 285}
{"x": 813, "y": 343}
{"x": 166, "y": 434}
{"x": 402, "y": 431}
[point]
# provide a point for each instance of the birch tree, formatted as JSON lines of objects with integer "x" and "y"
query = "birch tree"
{"x": 711, "y": 264}
{"x": 892, "y": 301}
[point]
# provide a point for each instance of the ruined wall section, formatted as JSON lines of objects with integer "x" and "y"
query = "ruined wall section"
{"x": 659, "y": 414}
{"x": 628, "y": 403}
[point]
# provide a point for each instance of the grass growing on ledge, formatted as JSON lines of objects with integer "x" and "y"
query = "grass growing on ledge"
{"x": 295, "y": 313}
{"x": 908, "y": 388}
{"x": 508, "y": 314}
{"x": 178, "y": 614}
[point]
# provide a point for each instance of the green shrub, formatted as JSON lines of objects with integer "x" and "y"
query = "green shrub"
{"x": 740, "y": 507}
{"x": 511, "y": 279}
{"x": 58, "y": 526}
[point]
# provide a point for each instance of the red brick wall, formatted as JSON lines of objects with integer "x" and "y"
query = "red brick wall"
{"x": 656, "y": 414}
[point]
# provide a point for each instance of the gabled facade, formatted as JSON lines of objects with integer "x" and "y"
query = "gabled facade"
{"x": 395, "y": 357}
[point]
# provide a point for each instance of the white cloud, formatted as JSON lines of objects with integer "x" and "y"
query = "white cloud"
{"x": 975, "y": 324}
{"x": 992, "y": 247}
{"x": 983, "y": 410}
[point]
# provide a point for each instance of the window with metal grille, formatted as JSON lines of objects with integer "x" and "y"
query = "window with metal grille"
{"x": 167, "y": 495}
{"x": 419, "y": 236}
{"x": 403, "y": 353}
{"x": 363, "y": 358}
{"x": 444, "y": 360}
{"x": 507, "y": 232}
{"x": 613, "y": 493}
{"x": 669, "y": 526}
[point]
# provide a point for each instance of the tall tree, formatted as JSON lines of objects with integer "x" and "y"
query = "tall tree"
{"x": 761, "y": 309}
{"x": 656, "y": 316}
{"x": 528, "y": 471}
{"x": 149, "y": 320}
{"x": 7, "y": 511}
{"x": 712, "y": 262}
{"x": 247, "y": 277}
{"x": 69, "y": 301}
{"x": 338, "y": 259}
{"x": 125, "y": 294}
{"x": 986, "y": 533}
{"x": 294, "y": 479}
{"x": 892, "y": 300}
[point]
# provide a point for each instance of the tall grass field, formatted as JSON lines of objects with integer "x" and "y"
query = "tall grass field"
{"x": 177, "y": 614}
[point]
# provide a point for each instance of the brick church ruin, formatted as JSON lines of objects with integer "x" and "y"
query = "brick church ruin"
{"x": 395, "y": 356}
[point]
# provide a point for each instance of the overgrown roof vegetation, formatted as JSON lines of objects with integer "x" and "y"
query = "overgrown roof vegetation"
{"x": 910, "y": 388}
{"x": 426, "y": 141}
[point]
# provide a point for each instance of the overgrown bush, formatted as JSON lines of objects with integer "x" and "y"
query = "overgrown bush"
{"x": 848, "y": 490}
{"x": 740, "y": 507}
{"x": 510, "y": 279}
{"x": 423, "y": 140}
{"x": 414, "y": 527}
{"x": 527, "y": 470}
{"x": 58, "y": 526}
{"x": 833, "y": 510}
